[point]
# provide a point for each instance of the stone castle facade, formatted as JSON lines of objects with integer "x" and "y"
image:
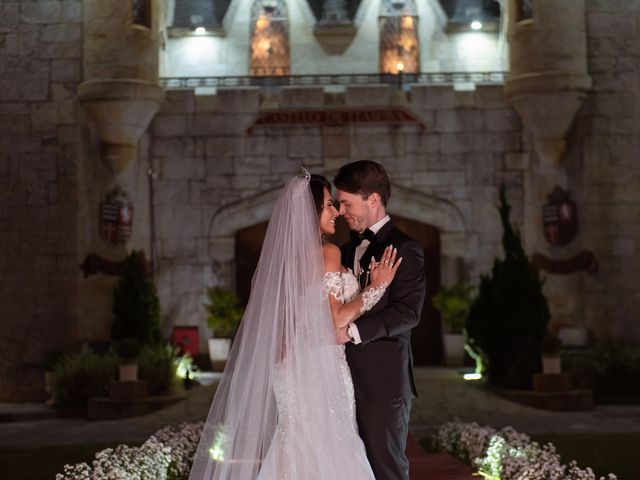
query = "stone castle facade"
{"x": 82, "y": 112}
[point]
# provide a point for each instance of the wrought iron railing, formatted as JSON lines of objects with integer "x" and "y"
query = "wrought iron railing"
{"x": 405, "y": 79}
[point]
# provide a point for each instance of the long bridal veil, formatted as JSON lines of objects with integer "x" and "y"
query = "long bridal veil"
{"x": 286, "y": 332}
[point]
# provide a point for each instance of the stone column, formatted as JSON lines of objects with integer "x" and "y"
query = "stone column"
{"x": 548, "y": 77}
{"x": 120, "y": 95}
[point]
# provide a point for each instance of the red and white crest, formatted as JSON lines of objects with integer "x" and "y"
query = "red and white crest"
{"x": 116, "y": 217}
{"x": 560, "y": 218}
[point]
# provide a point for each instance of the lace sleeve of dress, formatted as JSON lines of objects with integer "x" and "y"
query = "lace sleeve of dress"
{"x": 333, "y": 285}
{"x": 371, "y": 296}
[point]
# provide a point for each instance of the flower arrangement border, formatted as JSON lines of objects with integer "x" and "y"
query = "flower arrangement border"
{"x": 507, "y": 454}
{"x": 166, "y": 455}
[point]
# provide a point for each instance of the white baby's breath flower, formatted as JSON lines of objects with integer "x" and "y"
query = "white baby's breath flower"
{"x": 507, "y": 454}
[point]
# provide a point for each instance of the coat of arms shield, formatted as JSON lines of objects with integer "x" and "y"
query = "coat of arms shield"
{"x": 116, "y": 217}
{"x": 560, "y": 218}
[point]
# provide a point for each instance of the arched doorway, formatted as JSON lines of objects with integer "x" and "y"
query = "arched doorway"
{"x": 426, "y": 338}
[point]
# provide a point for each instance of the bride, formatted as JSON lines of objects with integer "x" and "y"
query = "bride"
{"x": 284, "y": 408}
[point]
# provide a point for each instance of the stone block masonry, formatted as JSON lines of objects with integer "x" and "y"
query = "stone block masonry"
{"x": 40, "y": 50}
{"x": 208, "y": 162}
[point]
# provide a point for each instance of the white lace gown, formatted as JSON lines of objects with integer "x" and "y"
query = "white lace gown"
{"x": 295, "y": 452}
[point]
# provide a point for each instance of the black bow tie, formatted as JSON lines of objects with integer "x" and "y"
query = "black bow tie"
{"x": 357, "y": 238}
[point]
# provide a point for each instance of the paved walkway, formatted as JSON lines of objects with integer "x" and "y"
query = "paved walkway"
{"x": 438, "y": 466}
{"x": 444, "y": 396}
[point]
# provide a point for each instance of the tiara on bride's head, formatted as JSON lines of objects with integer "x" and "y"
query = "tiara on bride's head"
{"x": 305, "y": 174}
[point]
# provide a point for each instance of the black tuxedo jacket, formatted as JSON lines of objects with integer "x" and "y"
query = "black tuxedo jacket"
{"x": 382, "y": 365}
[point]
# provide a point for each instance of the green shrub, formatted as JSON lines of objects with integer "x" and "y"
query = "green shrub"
{"x": 78, "y": 377}
{"x": 508, "y": 319}
{"x": 157, "y": 365}
{"x": 51, "y": 359}
{"x": 613, "y": 371}
{"x": 136, "y": 308}
{"x": 224, "y": 312}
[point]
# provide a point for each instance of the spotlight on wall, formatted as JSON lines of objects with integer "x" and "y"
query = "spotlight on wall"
{"x": 400, "y": 66}
{"x": 476, "y": 25}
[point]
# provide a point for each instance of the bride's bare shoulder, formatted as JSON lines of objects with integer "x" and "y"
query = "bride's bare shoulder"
{"x": 332, "y": 257}
{"x": 331, "y": 252}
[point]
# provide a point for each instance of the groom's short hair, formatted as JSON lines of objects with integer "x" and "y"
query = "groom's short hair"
{"x": 364, "y": 177}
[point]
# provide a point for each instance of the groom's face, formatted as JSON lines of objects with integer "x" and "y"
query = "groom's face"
{"x": 355, "y": 210}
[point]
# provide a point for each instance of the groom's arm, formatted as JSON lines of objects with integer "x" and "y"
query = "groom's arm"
{"x": 406, "y": 297}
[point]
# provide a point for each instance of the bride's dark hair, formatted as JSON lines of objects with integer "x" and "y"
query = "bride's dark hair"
{"x": 318, "y": 183}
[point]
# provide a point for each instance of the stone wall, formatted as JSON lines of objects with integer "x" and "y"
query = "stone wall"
{"x": 40, "y": 68}
{"x": 214, "y": 177}
{"x": 606, "y": 152}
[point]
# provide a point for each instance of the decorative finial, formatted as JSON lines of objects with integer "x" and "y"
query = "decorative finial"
{"x": 305, "y": 173}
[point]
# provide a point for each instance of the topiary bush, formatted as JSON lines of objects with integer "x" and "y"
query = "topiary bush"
{"x": 77, "y": 377}
{"x": 508, "y": 319}
{"x": 136, "y": 308}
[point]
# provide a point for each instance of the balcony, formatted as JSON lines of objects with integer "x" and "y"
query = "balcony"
{"x": 404, "y": 79}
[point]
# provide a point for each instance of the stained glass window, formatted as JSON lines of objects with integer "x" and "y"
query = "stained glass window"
{"x": 399, "y": 47}
{"x": 269, "y": 39}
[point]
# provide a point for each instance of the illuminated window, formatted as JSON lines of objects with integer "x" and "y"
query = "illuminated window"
{"x": 399, "y": 48}
{"x": 142, "y": 12}
{"x": 269, "y": 39}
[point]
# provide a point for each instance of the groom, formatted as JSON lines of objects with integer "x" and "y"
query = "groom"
{"x": 379, "y": 342}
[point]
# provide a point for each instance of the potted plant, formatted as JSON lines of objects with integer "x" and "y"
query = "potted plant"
{"x": 128, "y": 351}
{"x": 453, "y": 304}
{"x": 550, "y": 349}
{"x": 224, "y": 313}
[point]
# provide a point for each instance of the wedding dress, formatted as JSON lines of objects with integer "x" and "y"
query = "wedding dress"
{"x": 291, "y": 455}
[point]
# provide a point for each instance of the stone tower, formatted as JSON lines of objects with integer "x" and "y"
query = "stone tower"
{"x": 120, "y": 94}
{"x": 547, "y": 84}
{"x": 120, "y": 90}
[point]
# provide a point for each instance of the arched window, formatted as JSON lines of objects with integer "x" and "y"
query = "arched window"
{"x": 269, "y": 39}
{"x": 399, "y": 47}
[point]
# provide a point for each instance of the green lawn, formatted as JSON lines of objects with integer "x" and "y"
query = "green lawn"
{"x": 604, "y": 452}
{"x": 44, "y": 462}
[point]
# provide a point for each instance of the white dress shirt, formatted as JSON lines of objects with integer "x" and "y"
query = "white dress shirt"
{"x": 352, "y": 331}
